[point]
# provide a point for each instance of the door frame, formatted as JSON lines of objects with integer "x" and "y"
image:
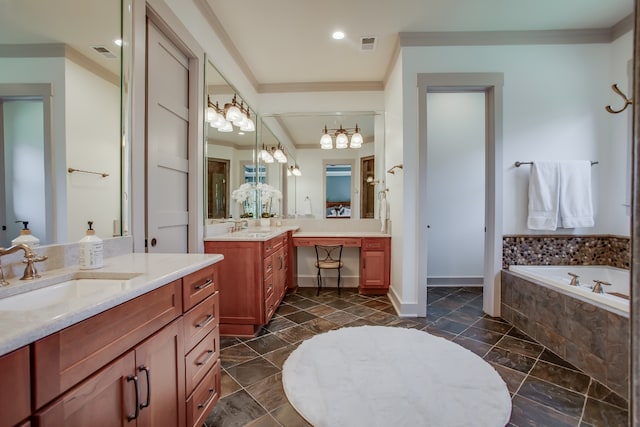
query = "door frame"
{"x": 491, "y": 84}
{"x": 172, "y": 28}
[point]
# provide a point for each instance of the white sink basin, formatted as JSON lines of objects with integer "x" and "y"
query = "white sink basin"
{"x": 84, "y": 287}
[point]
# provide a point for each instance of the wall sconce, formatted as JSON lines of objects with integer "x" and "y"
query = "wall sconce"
{"x": 223, "y": 118}
{"x": 270, "y": 155}
{"x": 342, "y": 138}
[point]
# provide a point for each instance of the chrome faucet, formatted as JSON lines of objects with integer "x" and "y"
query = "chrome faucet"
{"x": 574, "y": 279}
{"x": 597, "y": 288}
{"x": 30, "y": 258}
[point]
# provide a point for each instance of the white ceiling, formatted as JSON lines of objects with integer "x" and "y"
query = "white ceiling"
{"x": 289, "y": 41}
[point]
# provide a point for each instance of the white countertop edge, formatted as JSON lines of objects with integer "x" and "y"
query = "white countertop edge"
{"x": 18, "y": 332}
{"x": 340, "y": 234}
{"x": 252, "y": 234}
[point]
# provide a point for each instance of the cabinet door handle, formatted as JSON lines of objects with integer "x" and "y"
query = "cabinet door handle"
{"x": 281, "y": 262}
{"x": 146, "y": 371}
{"x": 133, "y": 416}
{"x": 204, "y": 362}
{"x": 212, "y": 393}
{"x": 204, "y": 285}
{"x": 205, "y": 322}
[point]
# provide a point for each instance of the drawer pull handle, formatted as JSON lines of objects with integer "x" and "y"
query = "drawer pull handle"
{"x": 204, "y": 285}
{"x": 133, "y": 416}
{"x": 146, "y": 371}
{"x": 206, "y": 360}
{"x": 212, "y": 393}
{"x": 205, "y": 322}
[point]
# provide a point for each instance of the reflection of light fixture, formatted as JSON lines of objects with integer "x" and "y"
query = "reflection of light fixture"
{"x": 278, "y": 154}
{"x": 372, "y": 181}
{"x": 265, "y": 155}
{"x": 294, "y": 170}
{"x": 342, "y": 138}
{"x": 222, "y": 118}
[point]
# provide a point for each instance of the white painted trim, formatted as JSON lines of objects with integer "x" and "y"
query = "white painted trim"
{"x": 491, "y": 84}
{"x": 403, "y": 310}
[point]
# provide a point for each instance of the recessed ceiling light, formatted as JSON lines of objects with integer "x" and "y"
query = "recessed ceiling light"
{"x": 118, "y": 42}
{"x": 338, "y": 35}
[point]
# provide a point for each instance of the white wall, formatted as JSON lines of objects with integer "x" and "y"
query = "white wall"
{"x": 93, "y": 144}
{"x": 553, "y": 109}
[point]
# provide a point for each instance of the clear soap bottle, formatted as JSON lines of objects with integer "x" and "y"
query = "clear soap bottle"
{"x": 91, "y": 250}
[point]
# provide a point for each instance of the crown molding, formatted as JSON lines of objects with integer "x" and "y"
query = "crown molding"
{"x": 321, "y": 87}
{"x": 625, "y": 25}
{"x": 93, "y": 67}
{"x": 489, "y": 38}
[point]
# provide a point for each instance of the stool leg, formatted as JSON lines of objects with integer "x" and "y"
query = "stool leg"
{"x": 319, "y": 278}
{"x": 338, "y": 282}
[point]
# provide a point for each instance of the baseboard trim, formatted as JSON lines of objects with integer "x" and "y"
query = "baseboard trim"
{"x": 455, "y": 281}
{"x": 403, "y": 309}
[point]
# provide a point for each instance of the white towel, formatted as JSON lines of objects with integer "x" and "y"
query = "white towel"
{"x": 306, "y": 206}
{"x": 384, "y": 213}
{"x": 544, "y": 191}
{"x": 576, "y": 207}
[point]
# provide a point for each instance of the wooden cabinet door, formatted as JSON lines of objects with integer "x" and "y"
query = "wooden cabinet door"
{"x": 375, "y": 258}
{"x": 160, "y": 372}
{"x": 280, "y": 273}
{"x": 373, "y": 269}
{"x": 107, "y": 398}
{"x": 15, "y": 394}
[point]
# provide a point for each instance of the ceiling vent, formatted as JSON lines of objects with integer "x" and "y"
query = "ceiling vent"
{"x": 104, "y": 52}
{"x": 368, "y": 43}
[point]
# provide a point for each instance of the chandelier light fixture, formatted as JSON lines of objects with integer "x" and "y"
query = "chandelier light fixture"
{"x": 223, "y": 119}
{"x": 345, "y": 138}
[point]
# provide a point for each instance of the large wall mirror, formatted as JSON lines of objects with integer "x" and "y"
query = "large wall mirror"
{"x": 60, "y": 118}
{"x": 231, "y": 170}
{"x": 328, "y": 183}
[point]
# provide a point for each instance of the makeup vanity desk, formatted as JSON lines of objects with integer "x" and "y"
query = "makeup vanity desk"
{"x": 375, "y": 255}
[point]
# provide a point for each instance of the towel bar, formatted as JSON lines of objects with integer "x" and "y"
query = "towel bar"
{"x": 518, "y": 164}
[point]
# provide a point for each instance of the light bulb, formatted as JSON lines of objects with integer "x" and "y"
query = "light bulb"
{"x": 356, "y": 140}
{"x": 296, "y": 171}
{"x": 211, "y": 114}
{"x": 279, "y": 156}
{"x": 232, "y": 112}
{"x": 289, "y": 172}
{"x": 248, "y": 126}
{"x": 219, "y": 121}
{"x": 326, "y": 142}
{"x": 342, "y": 141}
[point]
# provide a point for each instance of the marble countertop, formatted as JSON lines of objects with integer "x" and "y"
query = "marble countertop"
{"x": 340, "y": 234}
{"x": 257, "y": 234}
{"x": 26, "y": 318}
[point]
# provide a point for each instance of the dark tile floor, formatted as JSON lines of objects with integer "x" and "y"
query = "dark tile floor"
{"x": 545, "y": 390}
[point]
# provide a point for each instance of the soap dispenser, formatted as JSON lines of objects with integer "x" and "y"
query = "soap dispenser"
{"x": 26, "y": 237}
{"x": 91, "y": 249}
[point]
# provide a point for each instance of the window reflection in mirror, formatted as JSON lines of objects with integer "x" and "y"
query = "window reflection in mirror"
{"x": 338, "y": 189}
{"x": 230, "y": 155}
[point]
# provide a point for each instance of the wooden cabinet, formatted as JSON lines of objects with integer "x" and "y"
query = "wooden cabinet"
{"x": 146, "y": 362}
{"x": 201, "y": 344}
{"x": 375, "y": 259}
{"x": 15, "y": 393}
{"x": 256, "y": 281}
{"x": 144, "y": 387}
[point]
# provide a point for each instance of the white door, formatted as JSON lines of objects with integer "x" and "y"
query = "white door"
{"x": 167, "y": 145}
{"x": 455, "y": 188}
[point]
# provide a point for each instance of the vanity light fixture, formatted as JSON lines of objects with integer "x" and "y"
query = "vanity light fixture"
{"x": 342, "y": 138}
{"x": 279, "y": 155}
{"x": 232, "y": 113}
{"x": 265, "y": 155}
{"x": 294, "y": 171}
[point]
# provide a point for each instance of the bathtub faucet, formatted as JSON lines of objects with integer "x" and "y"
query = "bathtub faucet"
{"x": 574, "y": 279}
{"x": 597, "y": 288}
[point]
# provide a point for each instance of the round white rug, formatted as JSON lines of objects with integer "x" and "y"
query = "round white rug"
{"x": 392, "y": 377}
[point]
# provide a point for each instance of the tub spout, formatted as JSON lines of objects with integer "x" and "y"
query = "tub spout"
{"x": 597, "y": 288}
{"x": 574, "y": 279}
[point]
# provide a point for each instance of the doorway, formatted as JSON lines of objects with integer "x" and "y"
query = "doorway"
{"x": 218, "y": 188}
{"x": 367, "y": 186}
{"x": 455, "y": 188}
{"x": 491, "y": 85}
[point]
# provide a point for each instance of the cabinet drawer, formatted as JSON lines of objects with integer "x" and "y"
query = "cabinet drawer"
{"x": 270, "y": 306}
{"x": 65, "y": 358}
{"x": 199, "y": 285}
{"x": 267, "y": 265}
{"x": 204, "y": 397}
{"x": 201, "y": 359}
{"x": 374, "y": 244}
{"x": 201, "y": 320}
{"x": 268, "y": 287}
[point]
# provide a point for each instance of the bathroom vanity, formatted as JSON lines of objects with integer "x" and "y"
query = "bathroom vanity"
{"x": 259, "y": 270}
{"x": 144, "y": 351}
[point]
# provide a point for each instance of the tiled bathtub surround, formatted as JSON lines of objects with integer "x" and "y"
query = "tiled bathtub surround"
{"x": 566, "y": 250}
{"x": 593, "y": 339}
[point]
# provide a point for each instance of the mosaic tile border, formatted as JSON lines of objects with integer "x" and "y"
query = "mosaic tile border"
{"x": 609, "y": 250}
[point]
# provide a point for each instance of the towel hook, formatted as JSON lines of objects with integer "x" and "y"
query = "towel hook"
{"x": 627, "y": 101}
